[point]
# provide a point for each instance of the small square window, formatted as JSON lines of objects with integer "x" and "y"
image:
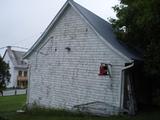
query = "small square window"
{"x": 20, "y": 73}
{"x": 25, "y": 73}
{"x": 103, "y": 70}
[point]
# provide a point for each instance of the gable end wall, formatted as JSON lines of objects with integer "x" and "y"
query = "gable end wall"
{"x": 64, "y": 79}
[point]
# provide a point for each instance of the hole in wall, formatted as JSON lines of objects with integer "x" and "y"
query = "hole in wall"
{"x": 68, "y": 49}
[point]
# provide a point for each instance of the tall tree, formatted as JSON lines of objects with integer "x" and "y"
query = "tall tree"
{"x": 4, "y": 75}
{"x": 138, "y": 24}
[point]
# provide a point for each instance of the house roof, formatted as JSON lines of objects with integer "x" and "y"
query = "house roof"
{"x": 16, "y": 58}
{"x": 102, "y": 27}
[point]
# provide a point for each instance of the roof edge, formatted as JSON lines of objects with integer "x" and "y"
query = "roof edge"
{"x": 27, "y": 54}
{"x": 58, "y": 15}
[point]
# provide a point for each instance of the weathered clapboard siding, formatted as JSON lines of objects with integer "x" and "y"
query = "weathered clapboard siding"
{"x": 63, "y": 79}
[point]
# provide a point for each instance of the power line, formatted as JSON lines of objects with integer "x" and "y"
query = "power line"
{"x": 14, "y": 47}
{"x": 2, "y": 48}
{"x": 20, "y": 47}
{"x": 22, "y": 40}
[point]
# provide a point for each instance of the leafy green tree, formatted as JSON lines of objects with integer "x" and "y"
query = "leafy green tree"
{"x": 138, "y": 25}
{"x": 4, "y": 75}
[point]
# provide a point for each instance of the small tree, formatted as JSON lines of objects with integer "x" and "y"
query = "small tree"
{"x": 4, "y": 75}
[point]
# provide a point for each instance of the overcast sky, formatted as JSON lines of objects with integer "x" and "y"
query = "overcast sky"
{"x": 23, "y": 21}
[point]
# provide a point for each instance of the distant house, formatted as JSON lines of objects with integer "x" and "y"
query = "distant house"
{"x": 18, "y": 68}
{"x": 78, "y": 64}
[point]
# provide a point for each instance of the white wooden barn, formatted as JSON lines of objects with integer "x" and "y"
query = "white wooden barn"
{"x": 78, "y": 64}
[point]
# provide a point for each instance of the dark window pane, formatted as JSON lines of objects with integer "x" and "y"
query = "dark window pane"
{"x": 20, "y": 73}
{"x": 25, "y": 73}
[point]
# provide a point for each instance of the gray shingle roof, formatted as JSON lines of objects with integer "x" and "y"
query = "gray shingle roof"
{"x": 102, "y": 27}
{"x": 16, "y": 58}
{"x": 105, "y": 30}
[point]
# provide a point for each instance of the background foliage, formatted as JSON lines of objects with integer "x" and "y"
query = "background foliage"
{"x": 138, "y": 25}
{"x": 4, "y": 74}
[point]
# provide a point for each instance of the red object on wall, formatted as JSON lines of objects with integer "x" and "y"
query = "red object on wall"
{"x": 103, "y": 69}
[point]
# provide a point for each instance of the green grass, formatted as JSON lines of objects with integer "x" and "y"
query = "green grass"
{"x": 9, "y": 105}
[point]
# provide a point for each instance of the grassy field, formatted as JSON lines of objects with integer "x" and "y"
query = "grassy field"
{"x": 9, "y": 105}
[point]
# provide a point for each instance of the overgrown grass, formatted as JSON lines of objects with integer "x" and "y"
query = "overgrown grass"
{"x": 9, "y": 105}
